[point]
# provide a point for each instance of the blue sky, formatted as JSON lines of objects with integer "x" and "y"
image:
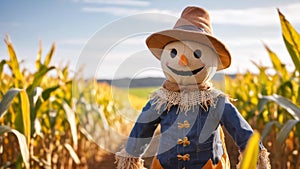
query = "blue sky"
{"x": 73, "y": 24}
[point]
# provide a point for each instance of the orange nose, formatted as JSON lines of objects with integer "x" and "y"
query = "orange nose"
{"x": 183, "y": 60}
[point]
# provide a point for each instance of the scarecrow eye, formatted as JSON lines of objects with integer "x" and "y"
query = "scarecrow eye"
{"x": 197, "y": 53}
{"x": 173, "y": 53}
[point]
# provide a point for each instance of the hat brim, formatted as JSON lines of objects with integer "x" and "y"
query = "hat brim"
{"x": 157, "y": 41}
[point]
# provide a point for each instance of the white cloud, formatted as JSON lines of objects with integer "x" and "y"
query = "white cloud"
{"x": 119, "y": 2}
{"x": 244, "y": 46}
{"x": 122, "y": 11}
{"x": 264, "y": 16}
{"x": 250, "y": 41}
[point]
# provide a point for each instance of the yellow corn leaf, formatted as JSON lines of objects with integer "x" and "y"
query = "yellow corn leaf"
{"x": 39, "y": 56}
{"x": 2, "y": 63}
{"x": 292, "y": 40}
{"x": 49, "y": 55}
{"x": 25, "y": 106}
{"x": 13, "y": 62}
{"x": 250, "y": 156}
{"x": 277, "y": 64}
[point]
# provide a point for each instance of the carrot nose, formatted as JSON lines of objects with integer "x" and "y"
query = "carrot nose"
{"x": 183, "y": 60}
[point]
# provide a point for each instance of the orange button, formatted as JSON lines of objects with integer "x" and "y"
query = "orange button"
{"x": 185, "y": 141}
{"x": 185, "y": 124}
{"x": 185, "y": 157}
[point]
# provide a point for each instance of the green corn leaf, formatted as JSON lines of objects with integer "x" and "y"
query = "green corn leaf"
{"x": 261, "y": 104}
{"x": 250, "y": 156}
{"x": 291, "y": 39}
{"x": 46, "y": 93}
{"x": 13, "y": 62}
{"x": 25, "y": 107}
{"x": 44, "y": 96}
{"x": 38, "y": 77}
{"x": 72, "y": 153}
{"x": 268, "y": 128}
{"x": 49, "y": 55}
{"x": 285, "y": 130}
{"x": 286, "y": 104}
{"x": 72, "y": 121}
{"x": 22, "y": 143}
{"x": 277, "y": 64}
{"x": 7, "y": 99}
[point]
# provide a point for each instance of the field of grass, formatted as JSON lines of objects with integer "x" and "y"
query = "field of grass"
{"x": 142, "y": 92}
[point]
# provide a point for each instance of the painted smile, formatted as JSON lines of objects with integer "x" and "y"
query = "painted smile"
{"x": 185, "y": 73}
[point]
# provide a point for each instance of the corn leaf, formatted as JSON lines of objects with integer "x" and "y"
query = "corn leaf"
{"x": 46, "y": 93}
{"x": 13, "y": 62}
{"x": 277, "y": 64}
{"x": 7, "y": 99}
{"x": 45, "y": 96}
{"x": 261, "y": 104}
{"x": 286, "y": 104}
{"x": 49, "y": 55}
{"x": 285, "y": 130}
{"x": 100, "y": 111}
{"x": 22, "y": 143}
{"x": 39, "y": 56}
{"x": 38, "y": 128}
{"x": 2, "y": 63}
{"x": 250, "y": 156}
{"x": 72, "y": 121}
{"x": 87, "y": 134}
{"x": 291, "y": 39}
{"x": 72, "y": 153}
{"x": 268, "y": 128}
{"x": 38, "y": 77}
{"x": 25, "y": 106}
{"x": 36, "y": 94}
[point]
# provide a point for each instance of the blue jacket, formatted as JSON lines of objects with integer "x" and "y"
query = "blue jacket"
{"x": 188, "y": 139}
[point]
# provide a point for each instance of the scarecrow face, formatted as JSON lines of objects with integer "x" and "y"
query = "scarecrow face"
{"x": 188, "y": 62}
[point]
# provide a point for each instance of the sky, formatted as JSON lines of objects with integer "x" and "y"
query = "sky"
{"x": 107, "y": 38}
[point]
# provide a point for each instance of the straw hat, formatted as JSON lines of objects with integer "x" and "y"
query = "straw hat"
{"x": 194, "y": 25}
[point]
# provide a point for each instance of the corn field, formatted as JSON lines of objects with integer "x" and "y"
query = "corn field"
{"x": 63, "y": 121}
{"x": 270, "y": 102}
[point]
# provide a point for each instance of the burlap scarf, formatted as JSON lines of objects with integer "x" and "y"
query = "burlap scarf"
{"x": 186, "y": 97}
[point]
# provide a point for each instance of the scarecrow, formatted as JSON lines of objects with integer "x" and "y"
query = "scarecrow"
{"x": 189, "y": 110}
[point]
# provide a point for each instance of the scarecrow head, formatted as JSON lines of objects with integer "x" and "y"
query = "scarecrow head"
{"x": 189, "y": 53}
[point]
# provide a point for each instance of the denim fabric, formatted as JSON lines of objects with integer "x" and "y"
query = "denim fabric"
{"x": 199, "y": 152}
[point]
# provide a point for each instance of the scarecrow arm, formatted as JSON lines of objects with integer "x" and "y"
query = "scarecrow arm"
{"x": 241, "y": 131}
{"x": 143, "y": 130}
{"x": 236, "y": 125}
{"x": 139, "y": 139}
